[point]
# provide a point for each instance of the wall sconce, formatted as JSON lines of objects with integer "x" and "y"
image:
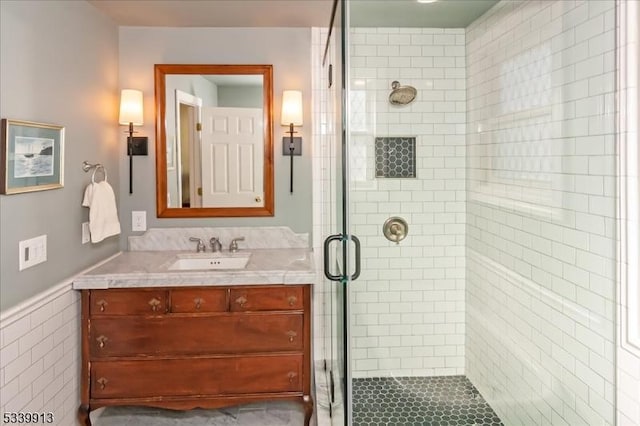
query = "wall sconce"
{"x": 131, "y": 114}
{"x": 291, "y": 116}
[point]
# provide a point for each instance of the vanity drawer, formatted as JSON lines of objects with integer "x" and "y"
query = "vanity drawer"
{"x": 195, "y": 300}
{"x": 128, "y": 302}
{"x": 283, "y": 297}
{"x": 201, "y": 376}
{"x": 195, "y": 335}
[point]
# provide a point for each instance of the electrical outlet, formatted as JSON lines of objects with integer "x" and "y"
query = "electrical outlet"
{"x": 32, "y": 252}
{"x": 86, "y": 233}
{"x": 139, "y": 220}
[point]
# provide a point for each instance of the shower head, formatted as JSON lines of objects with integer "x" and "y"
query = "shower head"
{"x": 401, "y": 95}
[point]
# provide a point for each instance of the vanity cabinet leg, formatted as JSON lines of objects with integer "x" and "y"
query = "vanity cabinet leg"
{"x": 308, "y": 408}
{"x": 83, "y": 415}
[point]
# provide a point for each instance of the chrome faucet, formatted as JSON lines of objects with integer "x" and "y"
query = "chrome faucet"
{"x": 233, "y": 247}
{"x": 216, "y": 246}
{"x": 201, "y": 247}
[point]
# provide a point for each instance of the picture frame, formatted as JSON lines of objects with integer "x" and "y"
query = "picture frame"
{"x": 31, "y": 156}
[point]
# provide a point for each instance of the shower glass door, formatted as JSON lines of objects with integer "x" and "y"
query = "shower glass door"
{"x": 499, "y": 305}
{"x": 334, "y": 221}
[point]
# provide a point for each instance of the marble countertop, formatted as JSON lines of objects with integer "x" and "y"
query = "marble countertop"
{"x": 151, "y": 269}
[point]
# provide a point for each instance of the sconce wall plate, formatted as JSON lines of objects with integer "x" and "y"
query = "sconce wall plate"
{"x": 297, "y": 145}
{"x": 139, "y": 145}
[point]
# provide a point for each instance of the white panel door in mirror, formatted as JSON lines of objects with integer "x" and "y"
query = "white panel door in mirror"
{"x": 232, "y": 167}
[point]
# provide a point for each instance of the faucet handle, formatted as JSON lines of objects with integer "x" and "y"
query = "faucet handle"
{"x": 201, "y": 247}
{"x": 215, "y": 244}
{"x": 233, "y": 247}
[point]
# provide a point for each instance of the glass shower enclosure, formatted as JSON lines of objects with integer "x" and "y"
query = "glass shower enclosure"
{"x": 469, "y": 226}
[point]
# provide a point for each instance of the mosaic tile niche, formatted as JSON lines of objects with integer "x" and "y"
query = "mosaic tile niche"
{"x": 395, "y": 157}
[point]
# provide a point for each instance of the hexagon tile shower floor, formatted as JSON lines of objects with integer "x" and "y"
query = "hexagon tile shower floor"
{"x": 420, "y": 401}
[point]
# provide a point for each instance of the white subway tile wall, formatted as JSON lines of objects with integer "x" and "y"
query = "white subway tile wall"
{"x": 40, "y": 353}
{"x": 316, "y": 95}
{"x": 628, "y": 84}
{"x": 541, "y": 211}
{"x": 324, "y": 179}
{"x": 408, "y": 304}
{"x": 628, "y": 388}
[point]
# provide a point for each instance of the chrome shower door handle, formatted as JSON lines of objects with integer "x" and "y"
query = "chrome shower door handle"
{"x": 327, "y": 271}
{"x": 356, "y": 243}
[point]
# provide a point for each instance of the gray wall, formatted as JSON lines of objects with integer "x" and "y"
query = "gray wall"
{"x": 240, "y": 96}
{"x": 287, "y": 49}
{"x": 59, "y": 65}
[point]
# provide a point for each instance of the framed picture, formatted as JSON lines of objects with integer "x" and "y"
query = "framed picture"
{"x": 31, "y": 156}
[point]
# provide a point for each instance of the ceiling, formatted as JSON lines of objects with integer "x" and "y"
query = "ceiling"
{"x": 217, "y": 13}
{"x": 410, "y": 13}
{"x": 290, "y": 13}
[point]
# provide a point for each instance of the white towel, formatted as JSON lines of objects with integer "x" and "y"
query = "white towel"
{"x": 103, "y": 216}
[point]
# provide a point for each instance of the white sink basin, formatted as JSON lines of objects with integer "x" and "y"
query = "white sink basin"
{"x": 210, "y": 262}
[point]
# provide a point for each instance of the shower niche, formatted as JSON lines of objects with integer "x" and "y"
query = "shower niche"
{"x": 395, "y": 157}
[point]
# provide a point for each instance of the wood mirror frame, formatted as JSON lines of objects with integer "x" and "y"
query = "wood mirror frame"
{"x": 163, "y": 209}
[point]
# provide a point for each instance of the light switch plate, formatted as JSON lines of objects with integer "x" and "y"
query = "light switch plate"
{"x": 32, "y": 252}
{"x": 86, "y": 233}
{"x": 139, "y": 220}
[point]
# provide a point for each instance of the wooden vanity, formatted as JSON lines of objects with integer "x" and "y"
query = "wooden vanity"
{"x": 195, "y": 347}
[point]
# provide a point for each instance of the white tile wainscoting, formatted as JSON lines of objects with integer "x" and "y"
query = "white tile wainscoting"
{"x": 40, "y": 353}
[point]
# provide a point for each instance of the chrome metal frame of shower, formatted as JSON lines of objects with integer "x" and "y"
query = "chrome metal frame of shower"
{"x": 343, "y": 236}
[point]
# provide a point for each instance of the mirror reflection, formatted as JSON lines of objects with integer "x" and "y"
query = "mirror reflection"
{"x": 214, "y": 129}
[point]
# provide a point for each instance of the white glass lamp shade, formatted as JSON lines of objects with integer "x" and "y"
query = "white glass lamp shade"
{"x": 291, "y": 108}
{"x": 131, "y": 107}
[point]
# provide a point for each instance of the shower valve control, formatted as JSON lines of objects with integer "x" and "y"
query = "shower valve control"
{"x": 395, "y": 229}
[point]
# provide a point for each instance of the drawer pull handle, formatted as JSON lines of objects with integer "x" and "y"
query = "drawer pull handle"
{"x": 102, "y": 382}
{"x": 101, "y": 340}
{"x": 241, "y": 301}
{"x": 292, "y": 300}
{"x": 102, "y": 303}
{"x": 292, "y": 376}
{"x": 198, "y": 301}
{"x": 292, "y": 334}
{"x": 155, "y": 304}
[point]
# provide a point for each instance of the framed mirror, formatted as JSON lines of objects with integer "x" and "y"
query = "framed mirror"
{"x": 214, "y": 140}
